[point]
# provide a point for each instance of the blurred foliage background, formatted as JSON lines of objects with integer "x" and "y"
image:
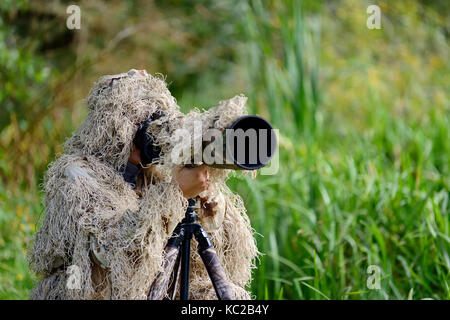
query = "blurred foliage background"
{"x": 363, "y": 115}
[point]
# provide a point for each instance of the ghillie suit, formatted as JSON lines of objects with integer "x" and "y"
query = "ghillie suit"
{"x": 103, "y": 239}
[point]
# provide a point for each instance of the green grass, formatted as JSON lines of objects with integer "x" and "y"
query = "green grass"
{"x": 364, "y": 149}
{"x": 339, "y": 205}
{"x": 353, "y": 190}
{"x": 17, "y": 224}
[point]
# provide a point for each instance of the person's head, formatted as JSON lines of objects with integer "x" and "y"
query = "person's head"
{"x": 118, "y": 105}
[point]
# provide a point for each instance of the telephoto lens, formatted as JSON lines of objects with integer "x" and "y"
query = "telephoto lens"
{"x": 248, "y": 144}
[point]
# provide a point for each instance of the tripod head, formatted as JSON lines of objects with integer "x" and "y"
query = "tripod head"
{"x": 190, "y": 227}
{"x": 190, "y": 215}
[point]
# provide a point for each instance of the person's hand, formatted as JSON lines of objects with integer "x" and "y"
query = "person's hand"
{"x": 192, "y": 181}
{"x": 135, "y": 155}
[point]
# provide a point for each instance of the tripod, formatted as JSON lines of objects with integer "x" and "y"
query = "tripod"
{"x": 165, "y": 283}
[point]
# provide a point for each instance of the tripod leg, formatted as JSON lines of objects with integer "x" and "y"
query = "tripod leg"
{"x": 185, "y": 261}
{"x": 172, "y": 290}
{"x": 213, "y": 266}
{"x": 159, "y": 286}
{"x": 217, "y": 274}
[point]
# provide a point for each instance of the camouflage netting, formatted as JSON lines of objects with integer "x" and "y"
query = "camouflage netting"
{"x": 100, "y": 239}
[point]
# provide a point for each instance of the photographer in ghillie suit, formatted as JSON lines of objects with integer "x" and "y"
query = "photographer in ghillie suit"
{"x": 109, "y": 216}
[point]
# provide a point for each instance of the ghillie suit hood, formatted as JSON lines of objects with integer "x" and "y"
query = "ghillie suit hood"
{"x": 100, "y": 239}
{"x": 118, "y": 104}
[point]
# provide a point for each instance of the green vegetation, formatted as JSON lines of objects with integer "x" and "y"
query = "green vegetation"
{"x": 364, "y": 120}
